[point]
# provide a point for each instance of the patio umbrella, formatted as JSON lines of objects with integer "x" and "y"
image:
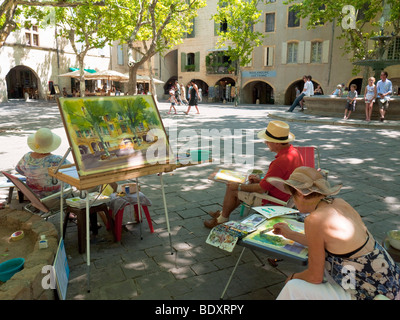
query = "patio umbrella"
{"x": 110, "y": 75}
{"x": 75, "y": 74}
{"x": 141, "y": 78}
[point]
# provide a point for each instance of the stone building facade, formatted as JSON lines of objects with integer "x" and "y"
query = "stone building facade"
{"x": 32, "y": 60}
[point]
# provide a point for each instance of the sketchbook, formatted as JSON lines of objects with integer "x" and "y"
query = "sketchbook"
{"x": 225, "y": 175}
{"x": 274, "y": 211}
{"x": 265, "y": 238}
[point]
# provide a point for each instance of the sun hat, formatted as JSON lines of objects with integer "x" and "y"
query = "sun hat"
{"x": 306, "y": 180}
{"x": 277, "y": 131}
{"x": 44, "y": 141}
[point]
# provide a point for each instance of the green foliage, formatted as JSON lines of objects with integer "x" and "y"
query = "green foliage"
{"x": 239, "y": 38}
{"x": 366, "y": 19}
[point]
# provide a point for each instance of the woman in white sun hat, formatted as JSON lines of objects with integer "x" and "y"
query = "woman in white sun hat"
{"x": 34, "y": 165}
{"x": 344, "y": 260}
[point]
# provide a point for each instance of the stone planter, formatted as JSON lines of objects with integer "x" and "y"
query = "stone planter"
{"x": 331, "y": 105}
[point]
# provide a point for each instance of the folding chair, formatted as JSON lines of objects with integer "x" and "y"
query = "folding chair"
{"x": 44, "y": 207}
{"x": 311, "y": 158}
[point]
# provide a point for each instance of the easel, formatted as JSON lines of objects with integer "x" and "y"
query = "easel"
{"x": 83, "y": 179}
{"x": 68, "y": 174}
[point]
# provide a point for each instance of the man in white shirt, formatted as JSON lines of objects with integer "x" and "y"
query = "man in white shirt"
{"x": 384, "y": 90}
{"x": 308, "y": 90}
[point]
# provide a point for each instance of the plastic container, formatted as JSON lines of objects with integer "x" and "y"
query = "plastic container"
{"x": 43, "y": 242}
{"x": 10, "y": 267}
{"x": 394, "y": 238}
{"x": 199, "y": 155}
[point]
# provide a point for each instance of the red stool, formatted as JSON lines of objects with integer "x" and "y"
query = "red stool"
{"x": 117, "y": 227}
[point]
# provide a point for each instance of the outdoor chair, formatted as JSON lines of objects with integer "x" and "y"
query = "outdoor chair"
{"x": 44, "y": 207}
{"x": 49, "y": 206}
{"x": 311, "y": 158}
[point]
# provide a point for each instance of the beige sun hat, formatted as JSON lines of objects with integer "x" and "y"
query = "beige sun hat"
{"x": 277, "y": 131}
{"x": 306, "y": 180}
{"x": 44, "y": 141}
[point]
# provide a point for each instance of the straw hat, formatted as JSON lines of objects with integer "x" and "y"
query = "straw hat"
{"x": 306, "y": 180}
{"x": 44, "y": 141}
{"x": 277, "y": 131}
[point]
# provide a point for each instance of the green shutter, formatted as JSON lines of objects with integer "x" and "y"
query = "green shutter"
{"x": 197, "y": 61}
{"x": 183, "y": 61}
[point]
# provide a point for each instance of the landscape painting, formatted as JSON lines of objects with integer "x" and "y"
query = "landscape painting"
{"x": 114, "y": 133}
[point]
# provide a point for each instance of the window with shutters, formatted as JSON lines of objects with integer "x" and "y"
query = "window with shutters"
{"x": 190, "y": 61}
{"x": 292, "y": 49}
{"x": 268, "y": 56}
{"x": 316, "y": 52}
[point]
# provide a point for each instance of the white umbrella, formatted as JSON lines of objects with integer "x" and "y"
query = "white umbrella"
{"x": 110, "y": 75}
{"x": 75, "y": 74}
{"x": 141, "y": 78}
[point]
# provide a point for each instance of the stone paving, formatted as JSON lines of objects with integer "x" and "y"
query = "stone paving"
{"x": 363, "y": 156}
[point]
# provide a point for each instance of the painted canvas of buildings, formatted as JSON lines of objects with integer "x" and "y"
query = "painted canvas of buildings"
{"x": 114, "y": 133}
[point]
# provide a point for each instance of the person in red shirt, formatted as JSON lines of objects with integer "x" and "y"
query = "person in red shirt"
{"x": 277, "y": 137}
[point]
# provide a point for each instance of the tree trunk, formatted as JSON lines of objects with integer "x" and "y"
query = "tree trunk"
{"x": 238, "y": 85}
{"x": 81, "y": 78}
{"x": 152, "y": 86}
{"x": 132, "y": 84}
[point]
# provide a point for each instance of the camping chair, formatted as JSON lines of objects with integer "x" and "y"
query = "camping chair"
{"x": 311, "y": 158}
{"x": 45, "y": 207}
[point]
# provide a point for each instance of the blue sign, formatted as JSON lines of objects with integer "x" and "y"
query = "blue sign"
{"x": 259, "y": 74}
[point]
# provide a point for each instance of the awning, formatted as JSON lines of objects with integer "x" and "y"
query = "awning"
{"x": 87, "y": 70}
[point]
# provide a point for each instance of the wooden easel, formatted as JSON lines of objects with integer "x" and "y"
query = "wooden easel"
{"x": 68, "y": 174}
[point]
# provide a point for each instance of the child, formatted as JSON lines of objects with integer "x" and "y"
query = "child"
{"x": 370, "y": 95}
{"x": 172, "y": 99}
{"x": 338, "y": 91}
{"x": 351, "y": 101}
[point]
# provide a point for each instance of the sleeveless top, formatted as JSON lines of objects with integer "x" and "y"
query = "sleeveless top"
{"x": 366, "y": 276}
{"x": 370, "y": 92}
{"x": 363, "y": 274}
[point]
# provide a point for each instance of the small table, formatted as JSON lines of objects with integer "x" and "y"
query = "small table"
{"x": 271, "y": 250}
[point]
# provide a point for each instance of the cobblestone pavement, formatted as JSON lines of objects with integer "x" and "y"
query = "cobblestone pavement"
{"x": 364, "y": 157}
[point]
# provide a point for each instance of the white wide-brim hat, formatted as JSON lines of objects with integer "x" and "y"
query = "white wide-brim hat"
{"x": 277, "y": 131}
{"x": 306, "y": 180}
{"x": 44, "y": 141}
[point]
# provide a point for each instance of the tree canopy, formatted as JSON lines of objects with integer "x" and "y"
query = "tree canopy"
{"x": 239, "y": 36}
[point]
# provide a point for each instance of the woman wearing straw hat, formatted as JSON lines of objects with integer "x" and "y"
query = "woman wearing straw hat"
{"x": 34, "y": 165}
{"x": 340, "y": 247}
{"x": 277, "y": 137}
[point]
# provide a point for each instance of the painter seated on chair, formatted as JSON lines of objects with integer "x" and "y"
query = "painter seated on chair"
{"x": 277, "y": 137}
{"x": 34, "y": 165}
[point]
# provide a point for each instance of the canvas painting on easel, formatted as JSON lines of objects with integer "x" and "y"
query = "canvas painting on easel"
{"x": 114, "y": 133}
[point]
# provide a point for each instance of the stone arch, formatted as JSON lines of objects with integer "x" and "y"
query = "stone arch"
{"x": 20, "y": 80}
{"x": 358, "y": 81}
{"x": 222, "y": 90}
{"x": 257, "y": 91}
{"x": 290, "y": 93}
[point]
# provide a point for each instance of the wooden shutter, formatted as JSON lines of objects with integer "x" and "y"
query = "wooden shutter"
{"x": 197, "y": 61}
{"x": 183, "y": 61}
